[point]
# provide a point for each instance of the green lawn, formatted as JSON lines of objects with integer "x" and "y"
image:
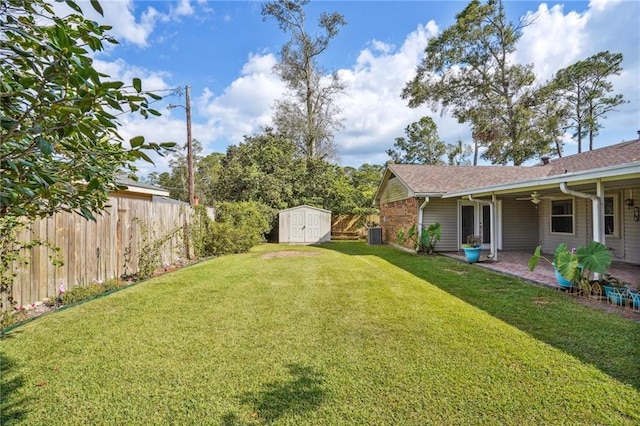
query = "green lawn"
{"x": 348, "y": 334}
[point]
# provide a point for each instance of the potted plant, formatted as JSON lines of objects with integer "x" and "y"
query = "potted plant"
{"x": 615, "y": 290}
{"x": 472, "y": 248}
{"x": 426, "y": 241}
{"x": 577, "y": 266}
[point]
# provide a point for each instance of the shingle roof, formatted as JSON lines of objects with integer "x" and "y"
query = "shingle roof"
{"x": 423, "y": 179}
{"x": 442, "y": 179}
{"x": 621, "y": 153}
{"x": 124, "y": 180}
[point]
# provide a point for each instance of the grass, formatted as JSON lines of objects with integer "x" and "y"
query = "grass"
{"x": 349, "y": 334}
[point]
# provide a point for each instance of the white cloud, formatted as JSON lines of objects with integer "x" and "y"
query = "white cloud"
{"x": 132, "y": 24}
{"x": 121, "y": 71}
{"x": 374, "y": 112}
{"x": 540, "y": 44}
{"x": 244, "y": 107}
{"x": 184, "y": 8}
{"x": 600, "y": 5}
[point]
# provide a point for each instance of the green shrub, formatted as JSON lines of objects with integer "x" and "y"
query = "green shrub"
{"x": 201, "y": 233}
{"x": 112, "y": 284}
{"x": 253, "y": 218}
{"x": 10, "y": 316}
{"x": 77, "y": 294}
{"x": 238, "y": 227}
{"x": 227, "y": 239}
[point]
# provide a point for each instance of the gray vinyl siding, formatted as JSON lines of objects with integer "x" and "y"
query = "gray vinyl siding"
{"x": 625, "y": 245}
{"x": 394, "y": 191}
{"x": 581, "y": 220}
{"x": 444, "y": 211}
{"x": 631, "y": 231}
{"x": 616, "y": 242}
{"x": 519, "y": 230}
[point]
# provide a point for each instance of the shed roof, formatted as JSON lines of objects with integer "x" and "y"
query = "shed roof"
{"x": 305, "y": 206}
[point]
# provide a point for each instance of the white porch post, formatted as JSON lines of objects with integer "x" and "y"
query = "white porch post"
{"x": 597, "y": 202}
{"x": 598, "y": 213}
{"x": 494, "y": 227}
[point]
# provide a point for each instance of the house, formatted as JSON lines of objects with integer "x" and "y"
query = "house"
{"x": 594, "y": 195}
{"x": 134, "y": 189}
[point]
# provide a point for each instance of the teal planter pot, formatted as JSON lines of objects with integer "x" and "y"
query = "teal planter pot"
{"x": 562, "y": 281}
{"x": 617, "y": 296}
{"x": 472, "y": 254}
{"x": 634, "y": 299}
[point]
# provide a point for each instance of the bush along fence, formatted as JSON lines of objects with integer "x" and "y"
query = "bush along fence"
{"x": 130, "y": 239}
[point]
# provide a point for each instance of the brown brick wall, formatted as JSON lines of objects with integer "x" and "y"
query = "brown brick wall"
{"x": 398, "y": 214}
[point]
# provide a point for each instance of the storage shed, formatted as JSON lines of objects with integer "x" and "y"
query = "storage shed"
{"x": 304, "y": 225}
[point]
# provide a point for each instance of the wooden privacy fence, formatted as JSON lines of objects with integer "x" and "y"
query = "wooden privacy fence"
{"x": 352, "y": 222}
{"x": 100, "y": 250}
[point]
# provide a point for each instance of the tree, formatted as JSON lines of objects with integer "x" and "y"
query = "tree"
{"x": 266, "y": 168}
{"x": 60, "y": 149}
{"x": 422, "y": 145}
{"x": 208, "y": 171}
{"x": 467, "y": 70}
{"x": 458, "y": 154}
{"x": 206, "y": 174}
{"x": 308, "y": 114}
{"x": 585, "y": 87}
{"x": 365, "y": 179}
{"x": 262, "y": 168}
{"x": 60, "y": 146}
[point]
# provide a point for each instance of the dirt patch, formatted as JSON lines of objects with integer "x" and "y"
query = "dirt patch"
{"x": 541, "y": 301}
{"x": 288, "y": 253}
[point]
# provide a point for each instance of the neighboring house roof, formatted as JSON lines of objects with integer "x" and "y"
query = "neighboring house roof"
{"x": 165, "y": 199}
{"x": 139, "y": 187}
{"x": 453, "y": 181}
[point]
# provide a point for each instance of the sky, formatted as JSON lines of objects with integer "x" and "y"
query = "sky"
{"x": 225, "y": 51}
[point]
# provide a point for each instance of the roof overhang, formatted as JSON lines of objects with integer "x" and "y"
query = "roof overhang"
{"x": 385, "y": 178}
{"x": 605, "y": 174}
{"x": 426, "y": 194}
{"x": 145, "y": 190}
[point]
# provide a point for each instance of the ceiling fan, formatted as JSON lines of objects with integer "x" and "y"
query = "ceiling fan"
{"x": 535, "y": 198}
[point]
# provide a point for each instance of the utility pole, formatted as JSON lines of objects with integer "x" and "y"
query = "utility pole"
{"x": 189, "y": 147}
{"x": 187, "y": 108}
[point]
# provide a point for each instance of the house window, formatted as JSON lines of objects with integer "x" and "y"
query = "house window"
{"x": 610, "y": 227}
{"x": 562, "y": 216}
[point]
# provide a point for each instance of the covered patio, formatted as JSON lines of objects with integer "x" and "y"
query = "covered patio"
{"x": 516, "y": 263}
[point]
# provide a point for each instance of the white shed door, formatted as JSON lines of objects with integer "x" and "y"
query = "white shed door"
{"x": 312, "y": 227}
{"x": 297, "y": 228}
